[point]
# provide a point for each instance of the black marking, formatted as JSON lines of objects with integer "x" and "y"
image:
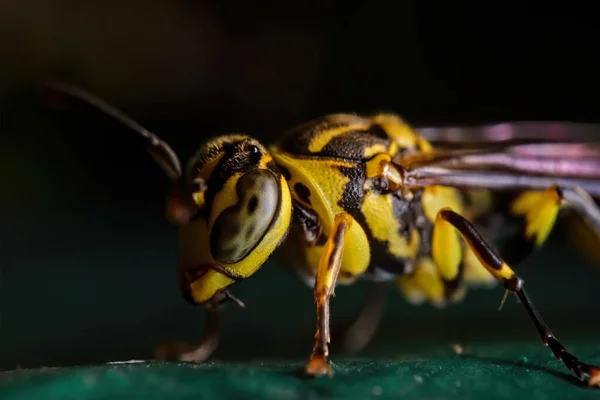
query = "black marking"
{"x": 285, "y": 172}
{"x": 238, "y": 157}
{"x": 339, "y": 234}
{"x": 321, "y": 240}
{"x": 297, "y": 139}
{"x": 560, "y": 192}
{"x": 352, "y": 145}
{"x": 186, "y": 278}
{"x": 303, "y": 192}
{"x": 272, "y": 166}
{"x": 514, "y": 284}
{"x": 511, "y": 241}
{"x": 349, "y": 145}
{"x": 451, "y": 286}
{"x": 252, "y": 204}
{"x": 505, "y": 231}
{"x": 250, "y": 230}
{"x": 309, "y": 223}
{"x": 346, "y": 274}
{"x": 353, "y": 195}
{"x": 378, "y": 131}
{"x": 479, "y": 245}
{"x": 351, "y": 202}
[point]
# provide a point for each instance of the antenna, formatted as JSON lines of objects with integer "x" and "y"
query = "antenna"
{"x": 160, "y": 151}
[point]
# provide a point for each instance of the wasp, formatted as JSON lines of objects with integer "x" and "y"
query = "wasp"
{"x": 354, "y": 198}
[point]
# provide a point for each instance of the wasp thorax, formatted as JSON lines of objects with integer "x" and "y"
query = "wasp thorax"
{"x": 240, "y": 228}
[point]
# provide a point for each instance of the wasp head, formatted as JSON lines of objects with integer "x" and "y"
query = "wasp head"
{"x": 243, "y": 213}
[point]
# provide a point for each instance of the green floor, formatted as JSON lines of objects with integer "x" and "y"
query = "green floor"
{"x": 495, "y": 371}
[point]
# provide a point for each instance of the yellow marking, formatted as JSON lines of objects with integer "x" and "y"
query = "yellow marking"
{"x": 194, "y": 252}
{"x": 322, "y": 138}
{"x": 502, "y": 274}
{"x": 525, "y": 202}
{"x": 424, "y": 145}
{"x": 475, "y": 274}
{"x": 393, "y": 148}
{"x": 411, "y": 291}
{"x": 209, "y": 166}
{"x": 211, "y": 152}
{"x": 381, "y": 166}
{"x": 397, "y": 129}
{"x": 225, "y": 198}
{"x": 324, "y": 180}
{"x": 446, "y": 249}
{"x": 385, "y": 227}
{"x": 434, "y": 198}
{"x": 264, "y": 160}
{"x": 428, "y": 280}
{"x": 377, "y": 166}
{"x": 205, "y": 287}
{"x": 199, "y": 197}
{"x": 327, "y": 184}
{"x": 540, "y": 210}
{"x": 331, "y": 257}
{"x": 370, "y": 151}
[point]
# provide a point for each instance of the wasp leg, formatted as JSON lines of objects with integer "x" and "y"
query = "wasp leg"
{"x": 424, "y": 284}
{"x": 361, "y": 331}
{"x": 513, "y": 283}
{"x": 198, "y": 353}
{"x": 327, "y": 273}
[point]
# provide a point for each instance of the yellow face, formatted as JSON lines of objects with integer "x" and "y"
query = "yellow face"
{"x": 244, "y": 213}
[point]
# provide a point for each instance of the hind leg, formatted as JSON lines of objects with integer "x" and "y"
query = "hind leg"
{"x": 504, "y": 274}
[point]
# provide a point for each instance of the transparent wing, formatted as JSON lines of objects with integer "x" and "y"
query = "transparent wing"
{"x": 515, "y": 132}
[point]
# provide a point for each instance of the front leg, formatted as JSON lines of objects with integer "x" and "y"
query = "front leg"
{"x": 188, "y": 352}
{"x": 327, "y": 274}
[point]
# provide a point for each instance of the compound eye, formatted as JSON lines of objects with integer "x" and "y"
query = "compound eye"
{"x": 240, "y": 228}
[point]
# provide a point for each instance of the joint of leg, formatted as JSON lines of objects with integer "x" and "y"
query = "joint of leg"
{"x": 381, "y": 167}
{"x": 443, "y": 213}
{"x": 514, "y": 284}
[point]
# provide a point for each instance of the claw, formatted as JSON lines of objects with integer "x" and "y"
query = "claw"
{"x": 594, "y": 374}
{"x": 318, "y": 366}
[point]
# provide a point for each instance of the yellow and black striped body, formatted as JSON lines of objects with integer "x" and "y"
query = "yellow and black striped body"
{"x": 325, "y": 162}
{"x": 251, "y": 198}
{"x": 328, "y": 164}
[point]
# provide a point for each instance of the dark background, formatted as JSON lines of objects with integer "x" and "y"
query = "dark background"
{"x": 88, "y": 263}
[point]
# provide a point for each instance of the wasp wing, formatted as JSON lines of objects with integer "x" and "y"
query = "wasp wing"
{"x": 573, "y": 166}
{"x": 508, "y": 166}
{"x": 510, "y": 132}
